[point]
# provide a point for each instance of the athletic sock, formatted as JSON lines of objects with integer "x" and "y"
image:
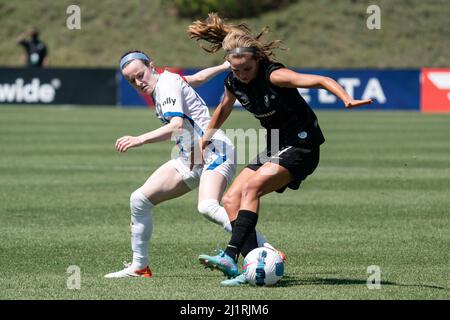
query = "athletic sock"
{"x": 243, "y": 227}
{"x": 213, "y": 211}
{"x": 261, "y": 240}
{"x": 250, "y": 244}
{"x": 141, "y": 229}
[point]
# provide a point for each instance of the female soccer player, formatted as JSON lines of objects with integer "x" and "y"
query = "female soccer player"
{"x": 269, "y": 91}
{"x": 185, "y": 116}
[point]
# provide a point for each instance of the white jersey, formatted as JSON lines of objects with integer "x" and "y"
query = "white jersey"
{"x": 174, "y": 97}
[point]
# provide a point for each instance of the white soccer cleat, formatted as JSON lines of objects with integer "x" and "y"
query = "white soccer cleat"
{"x": 130, "y": 272}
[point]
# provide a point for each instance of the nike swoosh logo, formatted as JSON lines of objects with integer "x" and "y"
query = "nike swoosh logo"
{"x": 246, "y": 265}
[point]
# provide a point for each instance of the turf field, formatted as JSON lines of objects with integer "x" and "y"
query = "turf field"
{"x": 381, "y": 196}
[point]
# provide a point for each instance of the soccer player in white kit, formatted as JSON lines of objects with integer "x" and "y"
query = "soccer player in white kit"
{"x": 185, "y": 116}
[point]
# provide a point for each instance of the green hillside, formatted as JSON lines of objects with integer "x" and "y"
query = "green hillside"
{"x": 322, "y": 33}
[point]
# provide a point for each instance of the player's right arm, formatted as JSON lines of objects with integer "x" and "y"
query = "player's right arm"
{"x": 221, "y": 114}
{"x": 161, "y": 134}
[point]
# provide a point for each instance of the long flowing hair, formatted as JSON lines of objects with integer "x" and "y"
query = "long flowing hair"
{"x": 229, "y": 36}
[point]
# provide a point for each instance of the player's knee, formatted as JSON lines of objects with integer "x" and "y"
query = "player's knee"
{"x": 231, "y": 201}
{"x": 208, "y": 207}
{"x": 139, "y": 203}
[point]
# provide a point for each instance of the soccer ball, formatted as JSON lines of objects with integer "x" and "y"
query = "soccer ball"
{"x": 263, "y": 267}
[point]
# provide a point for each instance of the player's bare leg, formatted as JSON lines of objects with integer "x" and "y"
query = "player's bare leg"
{"x": 232, "y": 198}
{"x": 268, "y": 178}
{"x": 164, "y": 184}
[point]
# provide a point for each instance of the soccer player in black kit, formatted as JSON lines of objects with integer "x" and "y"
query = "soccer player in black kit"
{"x": 269, "y": 91}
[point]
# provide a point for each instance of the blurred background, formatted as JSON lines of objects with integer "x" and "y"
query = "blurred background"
{"x": 334, "y": 38}
{"x": 319, "y": 34}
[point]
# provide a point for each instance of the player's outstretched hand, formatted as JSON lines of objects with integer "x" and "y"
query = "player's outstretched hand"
{"x": 127, "y": 142}
{"x": 226, "y": 65}
{"x": 357, "y": 103}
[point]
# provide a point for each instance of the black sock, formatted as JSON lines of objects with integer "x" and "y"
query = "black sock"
{"x": 244, "y": 225}
{"x": 250, "y": 244}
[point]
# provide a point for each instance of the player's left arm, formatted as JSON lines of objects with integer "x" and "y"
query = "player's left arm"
{"x": 290, "y": 79}
{"x": 45, "y": 60}
{"x": 205, "y": 75}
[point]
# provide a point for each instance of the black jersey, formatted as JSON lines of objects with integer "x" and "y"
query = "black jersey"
{"x": 277, "y": 107}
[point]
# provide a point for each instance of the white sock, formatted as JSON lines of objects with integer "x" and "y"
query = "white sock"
{"x": 213, "y": 211}
{"x": 141, "y": 228}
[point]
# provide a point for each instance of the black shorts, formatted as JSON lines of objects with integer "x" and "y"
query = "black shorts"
{"x": 300, "y": 162}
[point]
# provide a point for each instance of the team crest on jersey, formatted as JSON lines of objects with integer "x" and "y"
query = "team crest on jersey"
{"x": 302, "y": 135}
{"x": 266, "y": 101}
{"x": 243, "y": 98}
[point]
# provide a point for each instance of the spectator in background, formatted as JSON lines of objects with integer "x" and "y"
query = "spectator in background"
{"x": 36, "y": 50}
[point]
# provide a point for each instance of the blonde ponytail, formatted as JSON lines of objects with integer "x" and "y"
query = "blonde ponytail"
{"x": 229, "y": 36}
{"x": 214, "y": 31}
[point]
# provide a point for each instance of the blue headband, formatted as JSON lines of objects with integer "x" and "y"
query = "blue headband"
{"x": 133, "y": 56}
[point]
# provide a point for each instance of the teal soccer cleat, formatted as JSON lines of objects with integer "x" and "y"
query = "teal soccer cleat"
{"x": 234, "y": 282}
{"x": 221, "y": 261}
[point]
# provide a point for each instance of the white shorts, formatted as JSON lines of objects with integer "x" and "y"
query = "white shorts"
{"x": 220, "y": 157}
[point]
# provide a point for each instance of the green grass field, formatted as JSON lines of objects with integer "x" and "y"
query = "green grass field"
{"x": 381, "y": 196}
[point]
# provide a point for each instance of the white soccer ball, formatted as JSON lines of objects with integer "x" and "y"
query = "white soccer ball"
{"x": 263, "y": 267}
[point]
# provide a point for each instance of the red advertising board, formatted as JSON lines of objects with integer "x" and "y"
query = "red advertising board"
{"x": 435, "y": 90}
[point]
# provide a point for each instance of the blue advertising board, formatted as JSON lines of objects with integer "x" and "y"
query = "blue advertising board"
{"x": 211, "y": 92}
{"x": 389, "y": 89}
